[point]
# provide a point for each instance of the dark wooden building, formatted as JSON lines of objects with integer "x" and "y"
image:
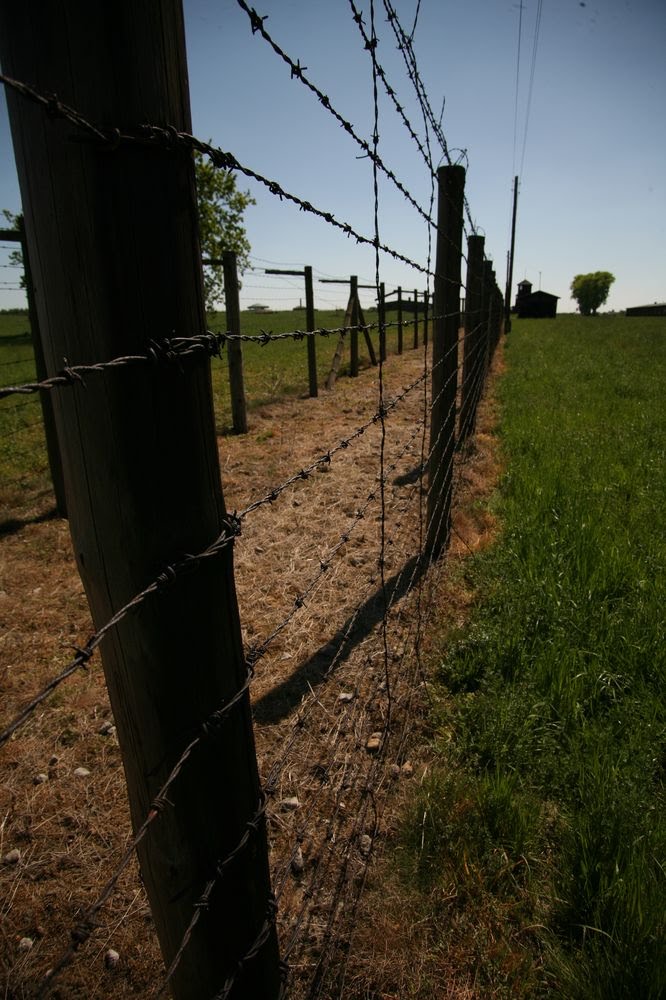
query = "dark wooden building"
{"x": 534, "y": 305}
{"x": 656, "y": 309}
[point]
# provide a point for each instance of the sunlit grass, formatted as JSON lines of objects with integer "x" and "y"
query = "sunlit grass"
{"x": 550, "y": 789}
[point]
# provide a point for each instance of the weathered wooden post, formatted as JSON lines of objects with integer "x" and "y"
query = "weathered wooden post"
{"x": 487, "y": 315}
{"x": 50, "y": 434}
{"x": 234, "y": 349}
{"x": 309, "y": 326}
{"x": 117, "y": 271}
{"x": 451, "y": 188}
{"x": 472, "y": 345}
{"x": 416, "y": 319}
{"x": 381, "y": 319}
{"x": 400, "y": 339}
{"x": 353, "y": 339}
{"x": 426, "y": 303}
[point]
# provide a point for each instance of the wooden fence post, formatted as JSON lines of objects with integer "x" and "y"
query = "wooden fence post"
{"x": 50, "y": 433}
{"x": 400, "y": 339}
{"x": 381, "y": 319}
{"x": 113, "y": 242}
{"x": 426, "y": 303}
{"x": 234, "y": 349}
{"x": 309, "y": 326}
{"x": 353, "y": 339}
{"x": 416, "y": 319}
{"x": 473, "y": 345}
{"x": 451, "y": 189}
{"x": 487, "y": 316}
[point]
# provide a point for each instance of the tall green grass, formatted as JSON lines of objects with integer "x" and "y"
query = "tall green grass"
{"x": 550, "y": 788}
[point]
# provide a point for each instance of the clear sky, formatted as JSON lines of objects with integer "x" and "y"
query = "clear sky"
{"x": 592, "y": 176}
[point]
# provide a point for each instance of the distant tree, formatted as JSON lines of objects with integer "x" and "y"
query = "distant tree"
{"x": 15, "y": 256}
{"x": 221, "y": 206}
{"x": 591, "y": 290}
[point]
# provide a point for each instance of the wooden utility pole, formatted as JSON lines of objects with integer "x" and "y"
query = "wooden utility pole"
{"x": 473, "y": 342}
{"x": 451, "y": 189}
{"x": 509, "y": 276}
{"x": 234, "y": 349}
{"x": 116, "y": 267}
{"x": 306, "y": 273}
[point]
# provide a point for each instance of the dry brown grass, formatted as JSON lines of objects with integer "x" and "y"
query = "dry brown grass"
{"x": 70, "y": 830}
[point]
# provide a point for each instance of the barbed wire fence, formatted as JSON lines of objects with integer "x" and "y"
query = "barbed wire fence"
{"x": 340, "y": 750}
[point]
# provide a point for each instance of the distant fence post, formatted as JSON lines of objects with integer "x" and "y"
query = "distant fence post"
{"x": 416, "y": 319}
{"x": 472, "y": 373}
{"x": 426, "y": 303}
{"x": 353, "y": 340}
{"x": 234, "y": 349}
{"x": 451, "y": 188}
{"x": 487, "y": 313}
{"x": 399, "y": 320}
{"x": 309, "y": 326}
{"x": 381, "y": 319}
{"x": 50, "y": 433}
{"x": 117, "y": 275}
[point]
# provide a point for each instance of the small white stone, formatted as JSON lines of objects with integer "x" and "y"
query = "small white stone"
{"x": 298, "y": 861}
{"x": 365, "y": 844}
{"x": 81, "y": 772}
{"x": 25, "y": 944}
{"x": 107, "y": 728}
{"x": 111, "y": 958}
{"x": 345, "y": 696}
{"x": 374, "y": 742}
{"x": 290, "y": 803}
{"x": 39, "y": 779}
{"x": 407, "y": 770}
{"x": 12, "y": 857}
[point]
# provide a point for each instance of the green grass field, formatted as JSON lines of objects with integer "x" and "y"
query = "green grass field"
{"x": 546, "y": 809}
{"x": 271, "y": 372}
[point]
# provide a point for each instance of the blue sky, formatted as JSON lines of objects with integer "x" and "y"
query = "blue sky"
{"x": 593, "y": 177}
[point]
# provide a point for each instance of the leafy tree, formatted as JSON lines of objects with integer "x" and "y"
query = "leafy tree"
{"x": 15, "y": 256}
{"x": 591, "y": 290}
{"x": 221, "y": 207}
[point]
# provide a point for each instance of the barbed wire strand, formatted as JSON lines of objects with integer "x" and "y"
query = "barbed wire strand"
{"x": 169, "y": 138}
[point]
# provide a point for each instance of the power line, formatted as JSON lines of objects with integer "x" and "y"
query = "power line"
{"x": 531, "y": 85}
{"x": 515, "y": 109}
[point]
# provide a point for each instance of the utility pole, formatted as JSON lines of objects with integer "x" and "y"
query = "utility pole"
{"x": 114, "y": 248}
{"x": 509, "y": 277}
